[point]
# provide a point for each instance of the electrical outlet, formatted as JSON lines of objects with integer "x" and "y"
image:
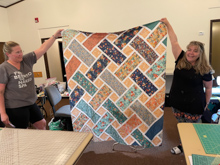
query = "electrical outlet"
{"x": 201, "y": 33}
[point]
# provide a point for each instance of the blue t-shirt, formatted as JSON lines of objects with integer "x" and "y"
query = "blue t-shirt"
{"x": 20, "y": 88}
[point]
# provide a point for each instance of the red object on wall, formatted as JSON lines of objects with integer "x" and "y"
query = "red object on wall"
{"x": 36, "y": 20}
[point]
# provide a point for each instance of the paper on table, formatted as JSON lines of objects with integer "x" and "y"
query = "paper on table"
{"x": 190, "y": 160}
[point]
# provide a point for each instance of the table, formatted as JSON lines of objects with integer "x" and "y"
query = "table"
{"x": 190, "y": 141}
{"x": 216, "y": 91}
{"x": 63, "y": 95}
{"x": 30, "y": 146}
{"x": 215, "y": 99}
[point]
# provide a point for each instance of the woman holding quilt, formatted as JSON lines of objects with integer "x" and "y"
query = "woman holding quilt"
{"x": 17, "y": 87}
{"x": 192, "y": 74}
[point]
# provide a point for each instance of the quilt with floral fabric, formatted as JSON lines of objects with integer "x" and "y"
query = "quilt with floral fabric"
{"x": 116, "y": 83}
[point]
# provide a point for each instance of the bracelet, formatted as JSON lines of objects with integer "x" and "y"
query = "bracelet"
{"x": 54, "y": 37}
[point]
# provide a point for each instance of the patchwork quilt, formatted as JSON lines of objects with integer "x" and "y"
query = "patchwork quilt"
{"x": 116, "y": 83}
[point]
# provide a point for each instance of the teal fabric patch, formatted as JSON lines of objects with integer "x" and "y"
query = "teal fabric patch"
{"x": 68, "y": 37}
{"x": 109, "y": 105}
{"x": 157, "y": 68}
{"x": 113, "y": 133}
{"x": 141, "y": 139}
{"x": 165, "y": 41}
{"x": 129, "y": 97}
{"x": 85, "y": 83}
{"x": 152, "y": 25}
{"x": 83, "y": 106}
{"x": 102, "y": 124}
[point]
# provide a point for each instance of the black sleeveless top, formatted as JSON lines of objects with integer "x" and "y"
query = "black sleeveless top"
{"x": 187, "y": 90}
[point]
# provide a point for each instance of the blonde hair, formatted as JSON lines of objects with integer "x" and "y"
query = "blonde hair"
{"x": 7, "y": 48}
{"x": 201, "y": 65}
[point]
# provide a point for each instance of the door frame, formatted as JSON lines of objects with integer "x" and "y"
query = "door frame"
{"x": 210, "y": 43}
{"x": 210, "y": 46}
{"x": 61, "y": 59}
{"x": 46, "y": 59}
{"x": 2, "y": 56}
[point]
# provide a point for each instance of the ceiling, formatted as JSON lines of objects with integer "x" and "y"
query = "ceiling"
{"x": 8, "y": 3}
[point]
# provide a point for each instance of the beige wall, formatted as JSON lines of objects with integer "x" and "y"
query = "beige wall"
{"x": 187, "y": 17}
{"x": 4, "y": 26}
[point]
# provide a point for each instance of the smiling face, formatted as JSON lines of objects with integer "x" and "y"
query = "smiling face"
{"x": 193, "y": 53}
{"x": 16, "y": 54}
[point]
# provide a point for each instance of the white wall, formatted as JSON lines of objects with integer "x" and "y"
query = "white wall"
{"x": 4, "y": 26}
{"x": 187, "y": 17}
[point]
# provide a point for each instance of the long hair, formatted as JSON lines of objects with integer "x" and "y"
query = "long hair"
{"x": 7, "y": 48}
{"x": 201, "y": 65}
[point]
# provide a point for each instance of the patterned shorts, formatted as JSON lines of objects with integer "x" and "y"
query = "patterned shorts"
{"x": 186, "y": 117}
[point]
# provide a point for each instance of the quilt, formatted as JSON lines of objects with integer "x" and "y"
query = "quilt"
{"x": 116, "y": 83}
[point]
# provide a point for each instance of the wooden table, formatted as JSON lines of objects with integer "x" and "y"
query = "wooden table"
{"x": 30, "y": 146}
{"x": 190, "y": 141}
{"x": 63, "y": 95}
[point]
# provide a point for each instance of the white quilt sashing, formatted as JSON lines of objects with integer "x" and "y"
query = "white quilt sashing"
{"x": 116, "y": 83}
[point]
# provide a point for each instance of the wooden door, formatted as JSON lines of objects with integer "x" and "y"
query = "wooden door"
{"x": 2, "y": 58}
{"x": 214, "y": 46}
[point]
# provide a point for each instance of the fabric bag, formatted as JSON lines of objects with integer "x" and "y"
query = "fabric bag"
{"x": 206, "y": 116}
{"x": 55, "y": 125}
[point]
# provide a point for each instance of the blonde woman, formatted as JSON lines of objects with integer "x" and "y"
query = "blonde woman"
{"x": 191, "y": 75}
{"x": 17, "y": 87}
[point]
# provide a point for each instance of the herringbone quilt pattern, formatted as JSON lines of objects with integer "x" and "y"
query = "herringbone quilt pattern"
{"x": 116, "y": 83}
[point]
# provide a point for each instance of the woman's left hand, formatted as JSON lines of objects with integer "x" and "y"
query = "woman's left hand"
{"x": 58, "y": 33}
{"x": 206, "y": 107}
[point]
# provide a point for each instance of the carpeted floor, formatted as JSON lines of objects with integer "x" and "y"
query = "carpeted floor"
{"x": 101, "y": 153}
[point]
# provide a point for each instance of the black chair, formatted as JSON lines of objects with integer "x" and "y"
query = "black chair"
{"x": 54, "y": 97}
{"x": 40, "y": 103}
